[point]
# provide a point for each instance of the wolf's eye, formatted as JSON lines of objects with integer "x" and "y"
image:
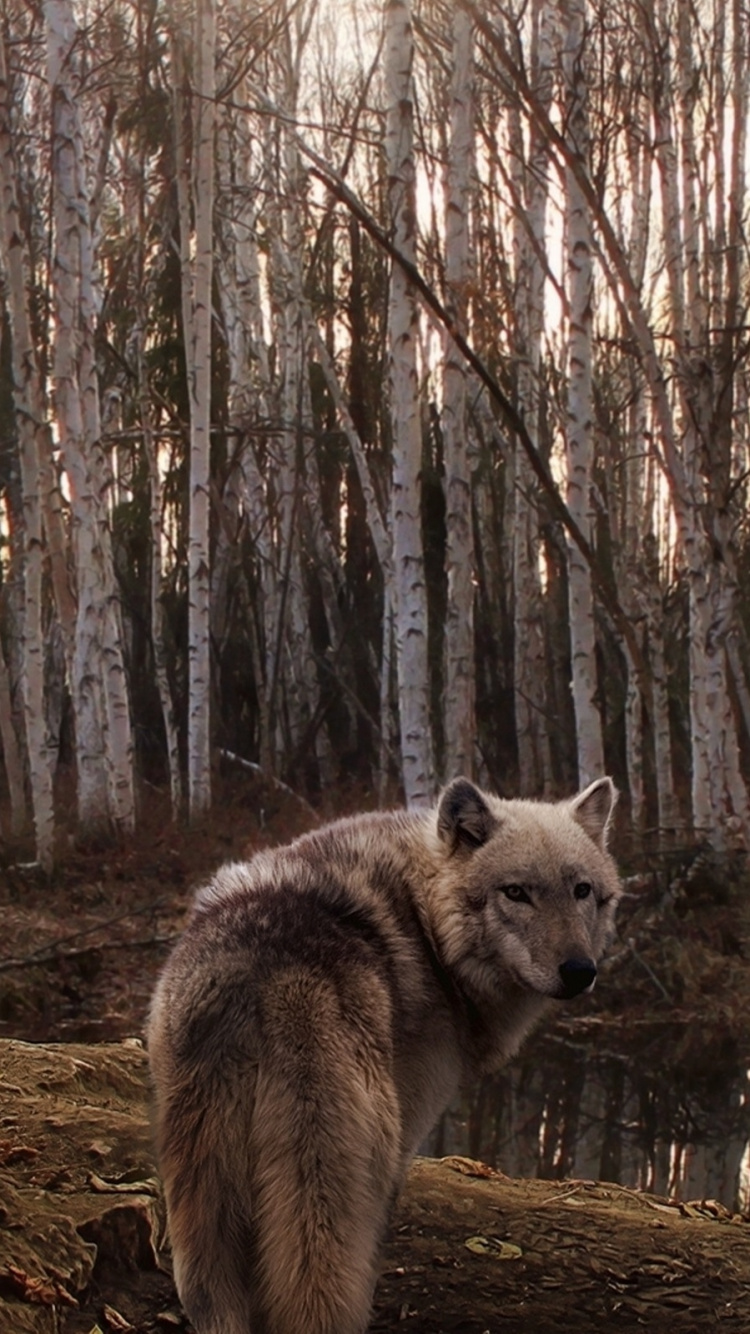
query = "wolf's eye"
{"x": 516, "y": 894}
{"x": 582, "y": 890}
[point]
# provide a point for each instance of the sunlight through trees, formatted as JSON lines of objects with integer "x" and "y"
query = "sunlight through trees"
{"x": 375, "y": 403}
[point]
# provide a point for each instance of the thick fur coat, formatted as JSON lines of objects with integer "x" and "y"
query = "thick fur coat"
{"x": 324, "y": 1005}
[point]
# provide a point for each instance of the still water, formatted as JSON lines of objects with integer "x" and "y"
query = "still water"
{"x": 672, "y": 1116}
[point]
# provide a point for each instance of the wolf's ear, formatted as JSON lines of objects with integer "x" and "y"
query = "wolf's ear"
{"x": 592, "y": 809}
{"x": 464, "y": 818}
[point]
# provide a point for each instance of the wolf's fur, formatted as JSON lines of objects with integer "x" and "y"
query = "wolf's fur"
{"x": 323, "y": 1007}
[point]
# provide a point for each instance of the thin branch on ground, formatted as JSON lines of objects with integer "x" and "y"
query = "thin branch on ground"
{"x": 269, "y": 778}
{"x": 40, "y": 955}
{"x": 53, "y": 955}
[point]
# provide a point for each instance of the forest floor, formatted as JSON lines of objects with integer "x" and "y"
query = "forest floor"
{"x": 78, "y": 959}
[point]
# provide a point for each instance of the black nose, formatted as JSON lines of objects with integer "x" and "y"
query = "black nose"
{"x": 577, "y": 975}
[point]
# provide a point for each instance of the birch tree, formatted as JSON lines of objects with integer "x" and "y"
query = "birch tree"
{"x": 529, "y": 247}
{"x": 193, "y": 40}
{"x": 410, "y": 597}
{"x": 325, "y": 388}
{"x": 32, "y": 429}
{"x": 579, "y": 430}
{"x": 157, "y": 610}
{"x": 459, "y": 702}
{"x": 104, "y": 747}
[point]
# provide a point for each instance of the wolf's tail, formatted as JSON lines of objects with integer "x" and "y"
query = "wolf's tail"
{"x": 281, "y": 1165}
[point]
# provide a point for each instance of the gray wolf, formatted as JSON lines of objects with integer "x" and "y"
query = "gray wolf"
{"x": 324, "y": 1005}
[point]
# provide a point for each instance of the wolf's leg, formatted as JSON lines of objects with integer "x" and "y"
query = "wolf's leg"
{"x": 205, "y": 1168}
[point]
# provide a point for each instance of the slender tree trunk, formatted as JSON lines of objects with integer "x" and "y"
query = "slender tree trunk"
{"x": 195, "y": 117}
{"x": 296, "y": 668}
{"x": 459, "y": 688}
{"x": 199, "y": 561}
{"x": 237, "y": 221}
{"x": 249, "y": 400}
{"x": 410, "y": 594}
{"x": 529, "y": 244}
{"x": 158, "y": 637}
{"x": 580, "y": 443}
{"x": 387, "y": 728}
{"x": 104, "y": 747}
{"x": 633, "y": 485}
{"x": 31, "y": 419}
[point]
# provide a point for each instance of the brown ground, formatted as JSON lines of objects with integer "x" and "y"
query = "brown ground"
{"x": 78, "y": 958}
{"x": 82, "y": 1226}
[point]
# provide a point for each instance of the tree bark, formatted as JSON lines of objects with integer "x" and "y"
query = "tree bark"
{"x": 194, "y": 147}
{"x": 31, "y": 416}
{"x": 410, "y": 594}
{"x": 579, "y": 434}
{"x": 529, "y": 245}
{"x": 104, "y": 747}
{"x": 459, "y": 721}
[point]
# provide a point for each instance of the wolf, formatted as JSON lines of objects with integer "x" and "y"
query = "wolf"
{"x": 324, "y": 1005}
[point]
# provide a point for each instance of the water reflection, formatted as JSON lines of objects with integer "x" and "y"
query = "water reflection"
{"x": 673, "y": 1119}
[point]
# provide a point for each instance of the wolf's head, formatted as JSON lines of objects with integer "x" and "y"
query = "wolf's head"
{"x": 526, "y": 890}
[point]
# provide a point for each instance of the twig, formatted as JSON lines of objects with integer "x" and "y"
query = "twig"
{"x": 647, "y": 967}
{"x": 554, "y": 1199}
{"x": 43, "y": 950}
{"x": 269, "y": 778}
{"x": 54, "y": 955}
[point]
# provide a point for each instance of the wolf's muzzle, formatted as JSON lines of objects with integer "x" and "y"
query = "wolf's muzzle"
{"x": 577, "y": 975}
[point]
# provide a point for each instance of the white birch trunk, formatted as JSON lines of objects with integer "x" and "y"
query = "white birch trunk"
{"x": 195, "y": 182}
{"x": 104, "y": 748}
{"x": 30, "y": 416}
{"x": 199, "y": 563}
{"x": 233, "y": 209}
{"x": 62, "y": 575}
{"x": 529, "y": 243}
{"x": 387, "y": 727}
{"x": 459, "y": 687}
{"x": 694, "y": 295}
{"x": 86, "y": 681}
{"x": 410, "y": 594}
{"x": 580, "y": 442}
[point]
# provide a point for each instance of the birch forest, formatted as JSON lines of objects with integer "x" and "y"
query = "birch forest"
{"x": 374, "y": 405}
